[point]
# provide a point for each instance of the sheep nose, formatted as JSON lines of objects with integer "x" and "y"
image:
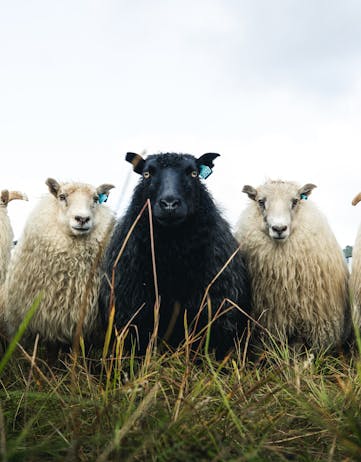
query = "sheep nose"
{"x": 81, "y": 220}
{"x": 279, "y": 229}
{"x": 169, "y": 203}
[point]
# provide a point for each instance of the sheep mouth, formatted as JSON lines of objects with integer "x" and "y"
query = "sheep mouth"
{"x": 170, "y": 221}
{"x": 279, "y": 238}
{"x": 170, "y": 217}
{"x": 80, "y": 230}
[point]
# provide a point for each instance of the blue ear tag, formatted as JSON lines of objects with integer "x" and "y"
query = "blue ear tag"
{"x": 204, "y": 171}
{"x": 304, "y": 197}
{"x": 102, "y": 198}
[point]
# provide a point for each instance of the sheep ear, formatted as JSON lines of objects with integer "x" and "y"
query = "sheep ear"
{"x": 250, "y": 191}
{"x": 205, "y": 164}
{"x": 306, "y": 190}
{"x": 136, "y": 160}
{"x": 53, "y": 186}
{"x": 105, "y": 188}
{"x": 207, "y": 159}
{"x": 103, "y": 192}
{"x": 17, "y": 195}
{"x": 4, "y": 197}
{"x": 356, "y": 199}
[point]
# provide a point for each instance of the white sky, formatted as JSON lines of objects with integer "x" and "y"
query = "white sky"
{"x": 273, "y": 86}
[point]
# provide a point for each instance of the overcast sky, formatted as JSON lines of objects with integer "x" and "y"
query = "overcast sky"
{"x": 273, "y": 86}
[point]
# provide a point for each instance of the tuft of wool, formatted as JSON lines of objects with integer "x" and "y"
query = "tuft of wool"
{"x": 6, "y": 231}
{"x": 355, "y": 280}
{"x": 6, "y": 242}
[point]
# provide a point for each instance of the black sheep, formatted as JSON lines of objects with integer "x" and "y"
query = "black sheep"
{"x": 192, "y": 243}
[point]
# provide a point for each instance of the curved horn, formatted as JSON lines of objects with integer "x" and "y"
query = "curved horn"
{"x": 17, "y": 195}
{"x": 356, "y": 199}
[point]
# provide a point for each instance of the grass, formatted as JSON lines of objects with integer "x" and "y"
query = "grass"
{"x": 168, "y": 408}
{"x": 172, "y": 407}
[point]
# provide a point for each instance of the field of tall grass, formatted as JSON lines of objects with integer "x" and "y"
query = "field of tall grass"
{"x": 172, "y": 406}
{"x": 176, "y": 405}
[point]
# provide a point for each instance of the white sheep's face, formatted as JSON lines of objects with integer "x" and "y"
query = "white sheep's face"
{"x": 77, "y": 205}
{"x": 278, "y": 203}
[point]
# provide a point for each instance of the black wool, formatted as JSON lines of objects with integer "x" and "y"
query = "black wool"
{"x": 192, "y": 243}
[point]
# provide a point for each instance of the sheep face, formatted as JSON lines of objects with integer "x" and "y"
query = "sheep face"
{"x": 278, "y": 204}
{"x": 77, "y": 205}
{"x": 172, "y": 182}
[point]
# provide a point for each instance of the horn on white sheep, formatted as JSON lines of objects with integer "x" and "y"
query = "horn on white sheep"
{"x": 356, "y": 199}
{"x": 7, "y": 196}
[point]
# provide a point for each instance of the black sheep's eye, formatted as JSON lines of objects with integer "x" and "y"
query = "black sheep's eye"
{"x": 294, "y": 202}
{"x": 146, "y": 175}
{"x": 62, "y": 197}
{"x": 194, "y": 174}
{"x": 262, "y": 203}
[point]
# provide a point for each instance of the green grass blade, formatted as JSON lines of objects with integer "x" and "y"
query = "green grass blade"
{"x": 20, "y": 332}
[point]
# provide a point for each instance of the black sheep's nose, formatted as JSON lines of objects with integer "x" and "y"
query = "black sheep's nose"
{"x": 279, "y": 229}
{"x": 170, "y": 203}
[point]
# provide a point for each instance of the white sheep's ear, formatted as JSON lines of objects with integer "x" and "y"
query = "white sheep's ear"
{"x": 306, "y": 190}
{"x": 136, "y": 160}
{"x": 103, "y": 192}
{"x": 105, "y": 188}
{"x": 250, "y": 191}
{"x": 53, "y": 186}
{"x": 356, "y": 199}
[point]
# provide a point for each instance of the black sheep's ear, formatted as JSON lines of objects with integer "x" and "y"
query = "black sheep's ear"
{"x": 205, "y": 164}
{"x": 207, "y": 159}
{"x": 136, "y": 160}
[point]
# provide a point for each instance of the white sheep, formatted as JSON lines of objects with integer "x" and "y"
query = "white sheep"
{"x": 355, "y": 279}
{"x": 298, "y": 273}
{"x": 58, "y": 257}
{"x": 6, "y": 231}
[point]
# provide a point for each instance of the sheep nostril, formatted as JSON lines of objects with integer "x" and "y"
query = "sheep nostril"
{"x": 169, "y": 204}
{"x": 279, "y": 229}
{"x": 81, "y": 220}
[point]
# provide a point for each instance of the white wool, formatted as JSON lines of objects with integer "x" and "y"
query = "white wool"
{"x": 6, "y": 242}
{"x": 6, "y": 231}
{"x": 299, "y": 284}
{"x": 355, "y": 280}
{"x": 59, "y": 263}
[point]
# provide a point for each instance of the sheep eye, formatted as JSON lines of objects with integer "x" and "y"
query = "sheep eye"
{"x": 294, "y": 202}
{"x": 146, "y": 175}
{"x": 194, "y": 174}
{"x": 62, "y": 197}
{"x": 96, "y": 199}
{"x": 262, "y": 203}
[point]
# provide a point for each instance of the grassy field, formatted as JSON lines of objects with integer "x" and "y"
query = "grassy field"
{"x": 170, "y": 407}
